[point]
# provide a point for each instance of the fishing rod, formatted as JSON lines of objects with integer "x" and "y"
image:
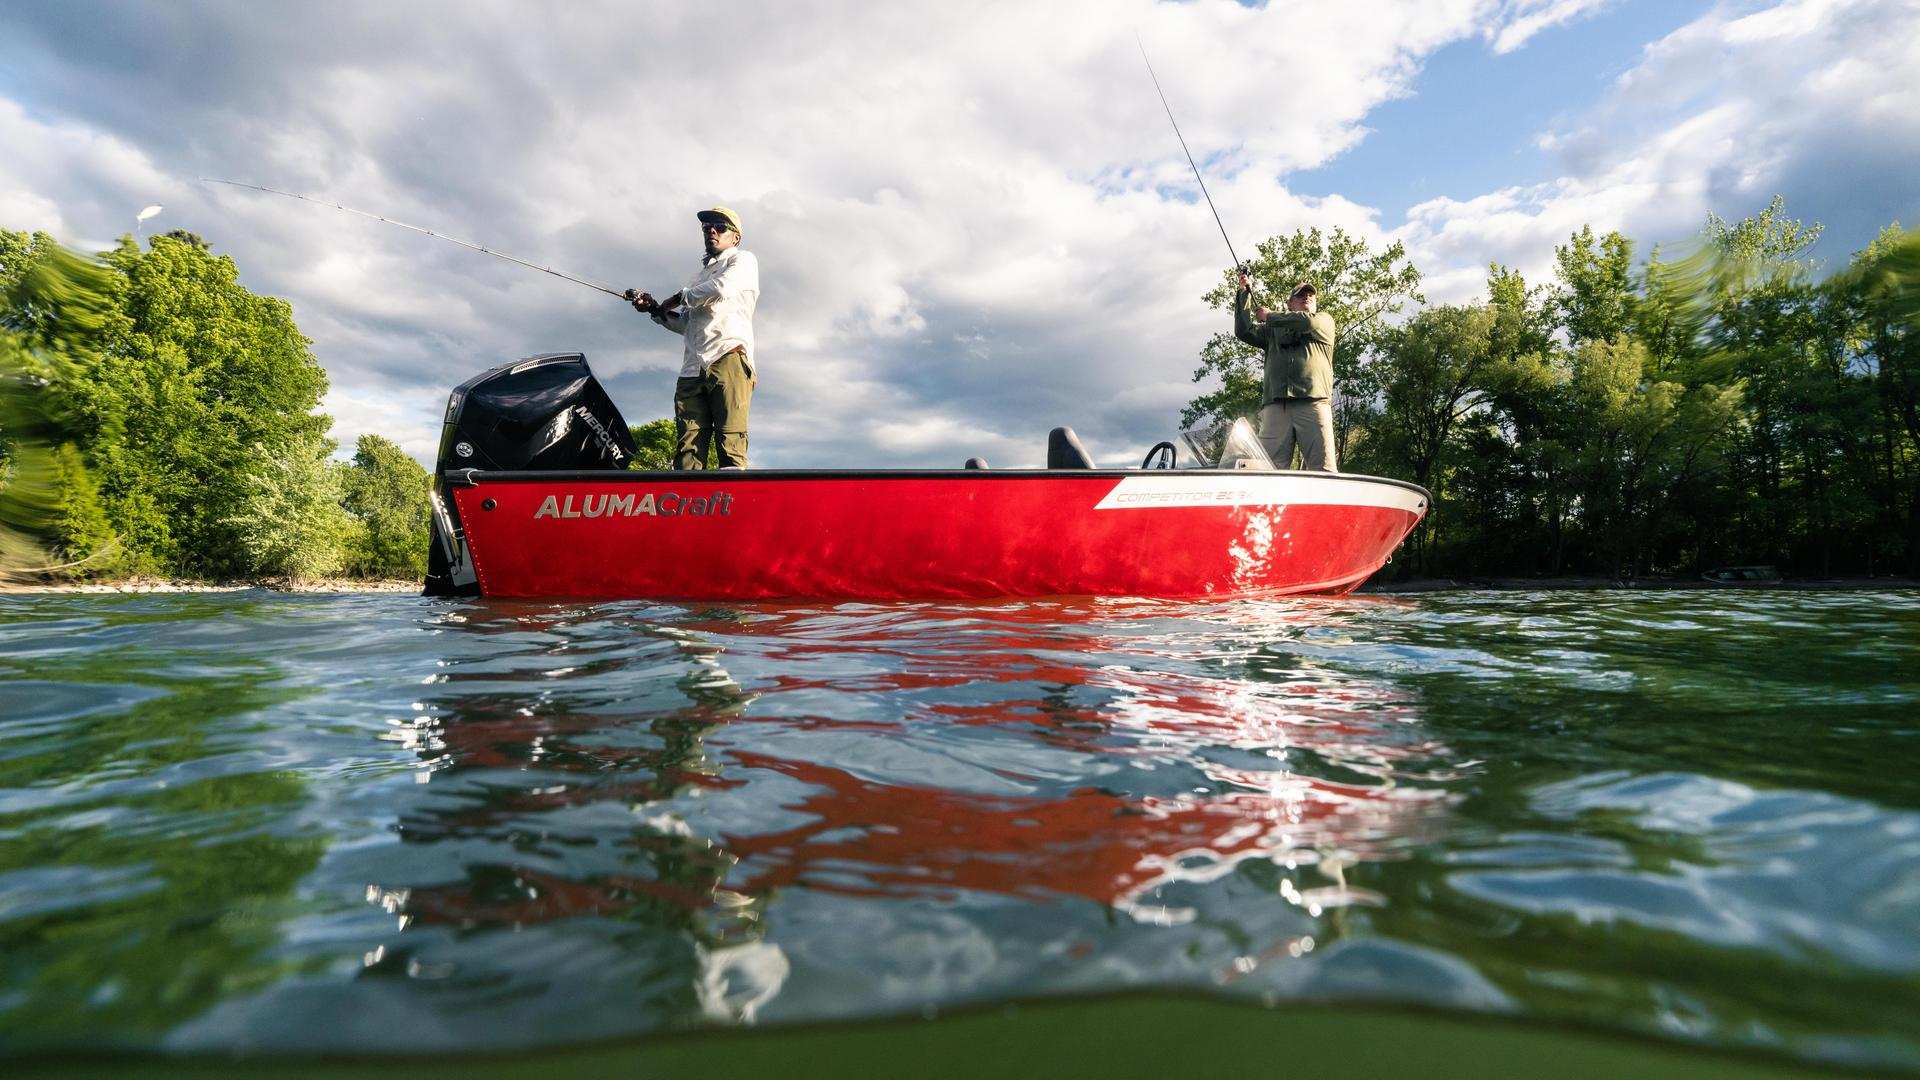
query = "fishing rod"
{"x": 1183, "y": 147}
{"x": 451, "y": 240}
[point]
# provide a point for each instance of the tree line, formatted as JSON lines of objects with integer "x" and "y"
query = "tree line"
{"x": 157, "y": 418}
{"x": 1725, "y": 406}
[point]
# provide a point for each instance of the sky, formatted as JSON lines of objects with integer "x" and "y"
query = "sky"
{"x": 973, "y": 221}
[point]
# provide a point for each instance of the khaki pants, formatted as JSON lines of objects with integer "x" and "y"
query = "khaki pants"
{"x": 1303, "y": 422}
{"x": 712, "y": 408}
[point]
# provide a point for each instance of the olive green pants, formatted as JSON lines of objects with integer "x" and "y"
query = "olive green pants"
{"x": 712, "y": 408}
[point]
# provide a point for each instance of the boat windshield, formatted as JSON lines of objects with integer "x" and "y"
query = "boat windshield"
{"x": 1226, "y": 445}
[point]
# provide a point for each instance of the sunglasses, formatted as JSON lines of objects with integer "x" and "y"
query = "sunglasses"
{"x": 708, "y": 226}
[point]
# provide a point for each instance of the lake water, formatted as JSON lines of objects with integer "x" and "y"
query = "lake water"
{"x": 378, "y": 824}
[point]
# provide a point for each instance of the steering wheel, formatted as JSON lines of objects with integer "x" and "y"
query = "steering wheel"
{"x": 1165, "y": 451}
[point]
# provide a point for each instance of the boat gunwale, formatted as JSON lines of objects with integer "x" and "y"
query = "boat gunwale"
{"x": 464, "y": 477}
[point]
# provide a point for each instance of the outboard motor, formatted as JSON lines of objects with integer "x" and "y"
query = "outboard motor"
{"x": 545, "y": 412}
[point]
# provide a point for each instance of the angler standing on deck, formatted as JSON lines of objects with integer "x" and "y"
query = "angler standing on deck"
{"x": 1297, "y": 394}
{"x": 714, "y": 312}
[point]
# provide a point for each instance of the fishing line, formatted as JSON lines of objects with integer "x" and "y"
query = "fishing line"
{"x": 1183, "y": 148}
{"x": 451, "y": 240}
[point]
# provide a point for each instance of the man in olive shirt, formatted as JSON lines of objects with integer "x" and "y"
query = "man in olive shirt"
{"x": 1297, "y": 394}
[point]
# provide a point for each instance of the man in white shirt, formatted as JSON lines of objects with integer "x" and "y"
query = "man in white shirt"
{"x": 714, "y": 312}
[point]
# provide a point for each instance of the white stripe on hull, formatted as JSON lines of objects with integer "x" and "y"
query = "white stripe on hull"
{"x": 1257, "y": 489}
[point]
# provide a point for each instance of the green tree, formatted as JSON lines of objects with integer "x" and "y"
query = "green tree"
{"x": 202, "y": 381}
{"x": 1507, "y": 497}
{"x": 1763, "y": 329}
{"x": 1668, "y": 318}
{"x": 386, "y": 492}
{"x": 80, "y": 533}
{"x": 288, "y": 521}
{"x": 1436, "y": 367}
{"x": 1596, "y": 297}
{"x": 1646, "y": 444}
{"x": 1523, "y": 315}
{"x": 1878, "y": 297}
{"x": 655, "y": 440}
{"x": 55, "y": 309}
{"x": 29, "y": 473}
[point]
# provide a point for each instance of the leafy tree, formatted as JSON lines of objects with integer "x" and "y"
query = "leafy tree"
{"x": 29, "y": 474}
{"x": 1508, "y": 480}
{"x": 201, "y": 380}
{"x": 655, "y": 440}
{"x": 1596, "y": 297}
{"x": 1645, "y": 443}
{"x": 289, "y": 520}
{"x": 1523, "y": 315}
{"x": 1669, "y": 319}
{"x": 1878, "y": 298}
{"x": 1436, "y": 369}
{"x": 154, "y": 410}
{"x": 80, "y": 532}
{"x": 386, "y": 492}
{"x": 55, "y": 307}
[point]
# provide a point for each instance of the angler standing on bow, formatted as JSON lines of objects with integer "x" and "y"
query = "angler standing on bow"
{"x": 714, "y": 312}
{"x": 1297, "y": 393}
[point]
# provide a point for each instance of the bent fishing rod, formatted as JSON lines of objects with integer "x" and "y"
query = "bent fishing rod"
{"x": 1183, "y": 148}
{"x": 484, "y": 250}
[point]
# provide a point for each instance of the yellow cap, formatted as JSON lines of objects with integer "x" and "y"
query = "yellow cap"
{"x": 720, "y": 215}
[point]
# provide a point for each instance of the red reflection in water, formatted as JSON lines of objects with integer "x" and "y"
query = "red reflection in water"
{"x": 878, "y": 839}
{"x": 1314, "y": 766}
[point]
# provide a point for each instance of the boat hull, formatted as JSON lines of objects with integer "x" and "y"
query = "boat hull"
{"x": 773, "y": 534}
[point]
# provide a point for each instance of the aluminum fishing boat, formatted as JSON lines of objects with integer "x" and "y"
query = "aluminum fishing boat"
{"x": 564, "y": 517}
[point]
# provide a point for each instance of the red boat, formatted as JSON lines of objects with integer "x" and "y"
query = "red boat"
{"x": 767, "y": 534}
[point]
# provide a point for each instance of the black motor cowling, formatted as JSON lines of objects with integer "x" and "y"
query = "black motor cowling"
{"x": 544, "y": 412}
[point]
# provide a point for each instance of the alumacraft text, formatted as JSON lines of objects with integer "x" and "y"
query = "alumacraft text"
{"x": 669, "y": 504}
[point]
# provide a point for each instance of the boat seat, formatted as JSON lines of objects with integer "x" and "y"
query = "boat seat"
{"x": 976, "y": 463}
{"x": 1065, "y": 452}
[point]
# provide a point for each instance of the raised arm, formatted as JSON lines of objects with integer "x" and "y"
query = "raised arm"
{"x": 1244, "y": 327}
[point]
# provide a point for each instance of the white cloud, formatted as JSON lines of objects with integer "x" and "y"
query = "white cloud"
{"x": 381, "y": 410}
{"x": 1807, "y": 98}
{"x": 62, "y": 176}
{"x": 22, "y": 205}
{"x": 1519, "y": 20}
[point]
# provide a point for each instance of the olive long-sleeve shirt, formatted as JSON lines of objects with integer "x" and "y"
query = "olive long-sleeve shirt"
{"x": 1299, "y": 348}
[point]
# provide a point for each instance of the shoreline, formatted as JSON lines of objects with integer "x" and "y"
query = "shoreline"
{"x": 171, "y": 585}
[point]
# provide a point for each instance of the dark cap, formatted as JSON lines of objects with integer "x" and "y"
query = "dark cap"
{"x": 1304, "y": 288}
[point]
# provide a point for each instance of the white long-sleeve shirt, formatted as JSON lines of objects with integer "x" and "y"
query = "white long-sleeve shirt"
{"x": 718, "y": 316}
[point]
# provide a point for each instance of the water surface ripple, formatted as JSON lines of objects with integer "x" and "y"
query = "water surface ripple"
{"x": 377, "y": 824}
